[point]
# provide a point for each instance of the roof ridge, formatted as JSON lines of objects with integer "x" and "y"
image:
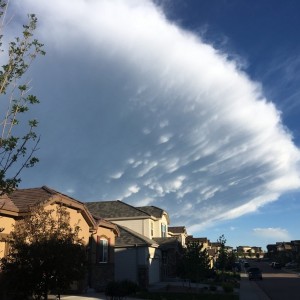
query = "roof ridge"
{"x": 55, "y": 192}
{"x": 103, "y": 201}
{"x": 124, "y": 203}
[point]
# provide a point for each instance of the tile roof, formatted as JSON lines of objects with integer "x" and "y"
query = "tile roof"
{"x": 212, "y": 252}
{"x": 167, "y": 242}
{"x": 190, "y": 238}
{"x": 152, "y": 210}
{"x": 22, "y": 199}
{"x": 7, "y": 204}
{"x": 129, "y": 237}
{"x": 215, "y": 244}
{"x": 177, "y": 229}
{"x": 114, "y": 209}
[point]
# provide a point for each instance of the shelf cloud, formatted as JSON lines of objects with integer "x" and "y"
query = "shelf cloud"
{"x": 137, "y": 109}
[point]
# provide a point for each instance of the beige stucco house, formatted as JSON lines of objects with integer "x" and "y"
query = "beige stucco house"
{"x": 142, "y": 248}
{"x": 180, "y": 232}
{"x": 98, "y": 235}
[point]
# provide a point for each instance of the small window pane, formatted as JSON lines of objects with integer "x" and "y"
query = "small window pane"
{"x": 103, "y": 251}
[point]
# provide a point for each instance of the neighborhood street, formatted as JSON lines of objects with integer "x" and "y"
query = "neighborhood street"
{"x": 278, "y": 284}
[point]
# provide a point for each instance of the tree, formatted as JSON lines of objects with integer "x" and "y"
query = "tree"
{"x": 196, "y": 263}
{"x": 45, "y": 254}
{"x": 222, "y": 260}
{"x": 18, "y": 141}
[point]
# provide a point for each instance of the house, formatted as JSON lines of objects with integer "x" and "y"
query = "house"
{"x": 180, "y": 232}
{"x": 248, "y": 251}
{"x": 200, "y": 240}
{"x": 212, "y": 251}
{"x": 98, "y": 235}
{"x": 145, "y": 250}
{"x": 137, "y": 258}
{"x": 150, "y": 221}
{"x": 171, "y": 255}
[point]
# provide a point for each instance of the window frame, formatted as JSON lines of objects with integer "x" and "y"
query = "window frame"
{"x": 102, "y": 249}
{"x": 152, "y": 229}
{"x": 163, "y": 228}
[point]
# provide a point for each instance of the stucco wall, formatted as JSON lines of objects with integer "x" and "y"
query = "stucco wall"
{"x": 132, "y": 264}
{"x": 141, "y": 226}
{"x": 76, "y": 219}
{"x": 7, "y": 223}
{"x": 101, "y": 273}
{"x": 138, "y": 264}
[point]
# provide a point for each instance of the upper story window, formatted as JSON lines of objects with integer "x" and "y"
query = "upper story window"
{"x": 152, "y": 230}
{"x": 163, "y": 230}
{"x": 102, "y": 250}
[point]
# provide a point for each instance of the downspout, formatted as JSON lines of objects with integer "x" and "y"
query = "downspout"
{"x": 89, "y": 254}
{"x": 136, "y": 264}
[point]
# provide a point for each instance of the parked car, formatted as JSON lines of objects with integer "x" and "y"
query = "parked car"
{"x": 254, "y": 273}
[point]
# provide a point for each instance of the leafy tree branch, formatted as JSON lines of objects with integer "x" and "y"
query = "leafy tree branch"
{"x": 18, "y": 141}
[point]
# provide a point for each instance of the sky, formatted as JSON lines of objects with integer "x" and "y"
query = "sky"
{"x": 191, "y": 106}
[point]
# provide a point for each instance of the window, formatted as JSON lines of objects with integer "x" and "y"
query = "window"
{"x": 152, "y": 231}
{"x": 102, "y": 246}
{"x": 163, "y": 230}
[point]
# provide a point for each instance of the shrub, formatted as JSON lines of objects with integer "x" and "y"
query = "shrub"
{"x": 120, "y": 289}
{"x": 227, "y": 287}
{"x": 129, "y": 287}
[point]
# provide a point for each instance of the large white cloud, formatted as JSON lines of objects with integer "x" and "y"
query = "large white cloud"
{"x": 273, "y": 234}
{"x": 136, "y": 108}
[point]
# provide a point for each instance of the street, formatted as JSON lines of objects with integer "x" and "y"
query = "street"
{"x": 278, "y": 284}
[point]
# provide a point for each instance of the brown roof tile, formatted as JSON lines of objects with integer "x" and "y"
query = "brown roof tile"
{"x": 7, "y": 205}
{"x": 177, "y": 229}
{"x": 23, "y": 199}
{"x": 129, "y": 237}
{"x": 167, "y": 242}
{"x": 152, "y": 210}
{"x": 114, "y": 209}
{"x": 190, "y": 238}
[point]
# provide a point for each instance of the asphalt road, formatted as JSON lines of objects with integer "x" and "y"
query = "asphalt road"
{"x": 278, "y": 284}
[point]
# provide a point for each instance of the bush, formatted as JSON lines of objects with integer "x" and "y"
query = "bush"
{"x": 129, "y": 287}
{"x": 120, "y": 289}
{"x": 227, "y": 287}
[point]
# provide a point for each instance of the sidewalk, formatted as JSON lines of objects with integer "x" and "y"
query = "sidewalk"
{"x": 93, "y": 296}
{"x": 249, "y": 290}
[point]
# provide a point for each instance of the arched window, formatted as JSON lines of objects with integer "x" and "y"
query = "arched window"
{"x": 102, "y": 249}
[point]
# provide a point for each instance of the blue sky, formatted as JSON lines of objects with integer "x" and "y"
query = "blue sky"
{"x": 187, "y": 105}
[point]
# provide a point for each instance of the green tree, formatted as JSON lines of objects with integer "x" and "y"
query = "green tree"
{"x": 18, "y": 140}
{"x": 196, "y": 263}
{"x": 231, "y": 259}
{"x": 222, "y": 260}
{"x": 45, "y": 254}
